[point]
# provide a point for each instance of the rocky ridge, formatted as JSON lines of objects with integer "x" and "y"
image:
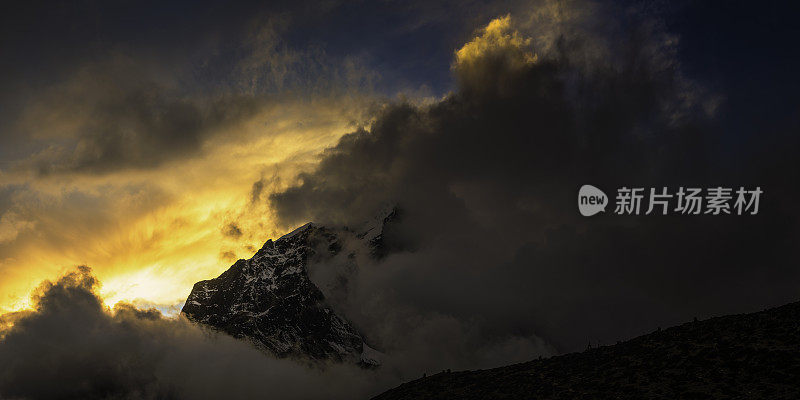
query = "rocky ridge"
{"x": 270, "y": 300}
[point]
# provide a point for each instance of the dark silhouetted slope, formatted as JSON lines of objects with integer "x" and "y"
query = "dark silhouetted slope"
{"x": 747, "y": 356}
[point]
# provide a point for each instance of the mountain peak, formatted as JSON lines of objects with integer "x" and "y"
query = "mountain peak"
{"x": 297, "y": 231}
{"x": 270, "y": 300}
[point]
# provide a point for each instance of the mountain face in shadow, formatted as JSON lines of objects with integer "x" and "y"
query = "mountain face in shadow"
{"x": 271, "y": 301}
{"x": 747, "y": 356}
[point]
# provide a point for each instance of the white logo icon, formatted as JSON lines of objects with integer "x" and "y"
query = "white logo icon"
{"x": 591, "y": 200}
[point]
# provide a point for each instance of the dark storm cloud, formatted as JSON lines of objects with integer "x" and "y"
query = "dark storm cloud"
{"x": 487, "y": 181}
{"x": 135, "y": 96}
{"x": 71, "y": 346}
{"x": 47, "y": 42}
{"x": 156, "y": 71}
{"x": 142, "y": 128}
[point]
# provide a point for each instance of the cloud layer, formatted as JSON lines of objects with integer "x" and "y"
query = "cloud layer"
{"x": 486, "y": 180}
{"x": 81, "y": 349}
{"x": 135, "y": 159}
{"x": 162, "y": 179}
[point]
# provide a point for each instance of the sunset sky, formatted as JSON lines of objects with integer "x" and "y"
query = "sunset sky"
{"x": 133, "y": 135}
{"x": 146, "y": 146}
{"x": 145, "y": 140}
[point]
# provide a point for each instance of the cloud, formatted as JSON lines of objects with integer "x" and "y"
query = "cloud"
{"x": 232, "y": 230}
{"x": 152, "y": 232}
{"x": 130, "y": 159}
{"x": 490, "y": 238}
{"x": 128, "y": 109}
{"x": 11, "y": 225}
{"x": 121, "y": 113}
{"x": 490, "y": 261}
{"x": 497, "y": 53}
{"x": 84, "y": 350}
{"x": 129, "y": 138}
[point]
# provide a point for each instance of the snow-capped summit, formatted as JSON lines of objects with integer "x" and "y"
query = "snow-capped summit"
{"x": 270, "y": 300}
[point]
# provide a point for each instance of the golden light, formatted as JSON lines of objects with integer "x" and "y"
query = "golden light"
{"x": 149, "y": 235}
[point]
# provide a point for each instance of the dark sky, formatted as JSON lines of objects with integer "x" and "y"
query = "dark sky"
{"x": 731, "y": 45}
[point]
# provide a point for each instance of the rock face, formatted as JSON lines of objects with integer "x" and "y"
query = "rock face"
{"x": 748, "y": 356}
{"x": 270, "y": 300}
